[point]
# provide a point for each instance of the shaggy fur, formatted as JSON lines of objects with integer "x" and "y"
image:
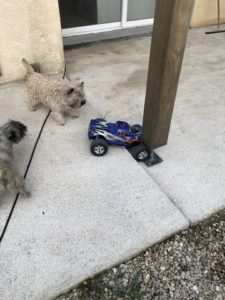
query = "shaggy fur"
{"x": 10, "y": 179}
{"x": 58, "y": 95}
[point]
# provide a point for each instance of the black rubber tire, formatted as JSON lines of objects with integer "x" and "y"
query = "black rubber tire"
{"x": 136, "y": 128}
{"x": 99, "y": 147}
{"x": 101, "y": 120}
{"x": 140, "y": 152}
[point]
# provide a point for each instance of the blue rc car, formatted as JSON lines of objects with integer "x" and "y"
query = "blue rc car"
{"x": 119, "y": 133}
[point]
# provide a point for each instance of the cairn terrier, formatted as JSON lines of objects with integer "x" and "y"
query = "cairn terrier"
{"x": 61, "y": 97}
{"x": 10, "y": 179}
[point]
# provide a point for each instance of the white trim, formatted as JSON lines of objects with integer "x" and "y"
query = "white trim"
{"x": 90, "y": 29}
{"x": 124, "y": 13}
{"x": 138, "y": 23}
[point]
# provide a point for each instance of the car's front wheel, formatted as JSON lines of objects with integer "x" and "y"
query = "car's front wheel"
{"x": 136, "y": 128}
{"x": 99, "y": 147}
{"x": 140, "y": 152}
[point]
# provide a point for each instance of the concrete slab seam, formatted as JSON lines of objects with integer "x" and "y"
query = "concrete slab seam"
{"x": 169, "y": 198}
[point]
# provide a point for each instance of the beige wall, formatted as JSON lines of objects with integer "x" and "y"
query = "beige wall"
{"x": 30, "y": 29}
{"x": 205, "y": 13}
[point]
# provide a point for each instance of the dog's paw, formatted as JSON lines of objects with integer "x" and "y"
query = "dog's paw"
{"x": 33, "y": 108}
{"x": 25, "y": 193}
{"x": 59, "y": 118}
{"x": 61, "y": 122}
{"x": 73, "y": 114}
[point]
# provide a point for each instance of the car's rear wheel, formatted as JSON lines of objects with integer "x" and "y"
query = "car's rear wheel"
{"x": 99, "y": 147}
{"x": 136, "y": 128}
{"x": 140, "y": 152}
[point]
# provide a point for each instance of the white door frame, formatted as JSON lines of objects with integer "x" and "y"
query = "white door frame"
{"x": 108, "y": 26}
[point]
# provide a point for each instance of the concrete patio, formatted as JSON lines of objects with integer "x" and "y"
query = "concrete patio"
{"x": 87, "y": 214}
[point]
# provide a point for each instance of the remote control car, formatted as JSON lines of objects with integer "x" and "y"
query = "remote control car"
{"x": 119, "y": 133}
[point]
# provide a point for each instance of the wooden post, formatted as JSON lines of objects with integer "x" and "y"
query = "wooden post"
{"x": 171, "y": 24}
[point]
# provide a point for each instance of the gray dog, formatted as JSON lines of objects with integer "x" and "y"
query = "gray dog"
{"x": 58, "y": 95}
{"x": 10, "y": 179}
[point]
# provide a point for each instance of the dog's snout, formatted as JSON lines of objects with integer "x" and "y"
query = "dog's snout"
{"x": 83, "y": 102}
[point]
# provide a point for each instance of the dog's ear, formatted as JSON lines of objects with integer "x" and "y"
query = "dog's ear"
{"x": 78, "y": 83}
{"x": 69, "y": 91}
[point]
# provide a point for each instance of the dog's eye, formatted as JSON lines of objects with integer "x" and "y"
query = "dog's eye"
{"x": 70, "y": 91}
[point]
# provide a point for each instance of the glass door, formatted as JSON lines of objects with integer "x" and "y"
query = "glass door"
{"x": 137, "y": 13}
{"x": 141, "y": 9}
{"x": 86, "y": 16}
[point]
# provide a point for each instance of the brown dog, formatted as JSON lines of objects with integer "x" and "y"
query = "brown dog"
{"x": 58, "y": 95}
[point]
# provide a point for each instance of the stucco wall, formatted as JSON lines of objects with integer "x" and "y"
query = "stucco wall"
{"x": 30, "y": 29}
{"x": 205, "y": 13}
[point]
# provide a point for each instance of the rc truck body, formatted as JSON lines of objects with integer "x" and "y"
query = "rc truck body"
{"x": 120, "y": 133}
